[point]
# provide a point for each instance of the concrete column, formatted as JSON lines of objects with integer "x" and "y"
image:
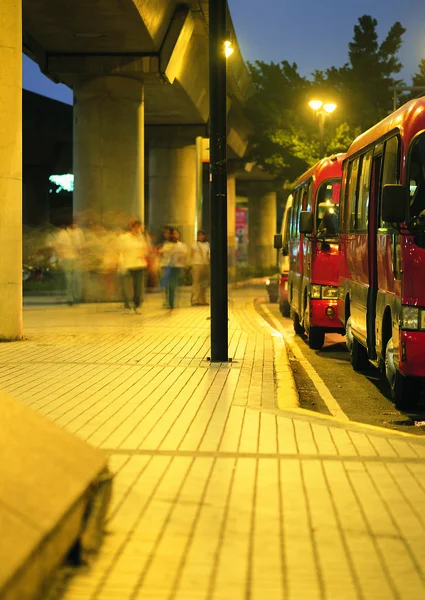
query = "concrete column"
{"x": 11, "y": 170}
{"x": 261, "y": 228}
{"x": 109, "y": 147}
{"x": 231, "y": 223}
{"x": 172, "y": 188}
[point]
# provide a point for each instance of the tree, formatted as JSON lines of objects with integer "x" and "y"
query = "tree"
{"x": 281, "y": 141}
{"x": 285, "y": 140}
{"x": 419, "y": 78}
{"x": 364, "y": 82}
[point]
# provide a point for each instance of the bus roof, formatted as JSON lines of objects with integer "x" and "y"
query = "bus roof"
{"x": 326, "y": 168}
{"x": 408, "y": 119}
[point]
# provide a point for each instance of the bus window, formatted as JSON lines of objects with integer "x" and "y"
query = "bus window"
{"x": 342, "y": 226}
{"x": 327, "y": 208}
{"x": 295, "y": 213}
{"x": 390, "y": 171}
{"x": 364, "y": 192}
{"x": 286, "y": 233}
{"x": 416, "y": 177}
{"x": 350, "y": 203}
{"x": 309, "y": 197}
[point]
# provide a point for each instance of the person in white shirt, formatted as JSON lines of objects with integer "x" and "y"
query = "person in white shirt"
{"x": 69, "y": 244}
{"x": 177, "y": 256}
{"x": 133, "y": 252}
{"x": 200, "y": 261}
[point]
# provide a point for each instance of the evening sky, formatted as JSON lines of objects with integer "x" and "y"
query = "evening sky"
{"x": 313, "y": 34}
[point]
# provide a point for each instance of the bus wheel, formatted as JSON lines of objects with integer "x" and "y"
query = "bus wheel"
{"x": 316, "y": 338}
{"x": 298, "y": 328}
{"x": 284, "y": 307}
{"x": 404, "y": 391}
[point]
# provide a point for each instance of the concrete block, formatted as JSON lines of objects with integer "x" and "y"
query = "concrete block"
{"x": 54, "y": 491}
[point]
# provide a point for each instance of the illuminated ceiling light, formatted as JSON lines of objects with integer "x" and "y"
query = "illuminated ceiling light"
{"x": 228, "y": 48}
{"x": 316, "y": 104}
{"x": 329, "y": 108}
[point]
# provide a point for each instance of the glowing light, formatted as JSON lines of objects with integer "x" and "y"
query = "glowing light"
{"x": 329, "y": 108}
{"x": 316, "y": 104}
{"x": 64, "y": 182}
{"x": 228, "y": 48}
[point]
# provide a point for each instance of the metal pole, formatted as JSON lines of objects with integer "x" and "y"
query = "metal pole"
{"x": 322, "y": 134}
{"x": 218, "y": 181}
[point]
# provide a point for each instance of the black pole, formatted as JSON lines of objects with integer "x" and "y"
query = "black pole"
{"x": 218, "y": 181}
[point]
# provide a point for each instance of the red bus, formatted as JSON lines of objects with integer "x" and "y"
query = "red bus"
{"x": 313, "y": 251}
{"x": 381, "y": 296}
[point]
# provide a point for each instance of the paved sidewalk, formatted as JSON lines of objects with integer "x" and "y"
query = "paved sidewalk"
{"x": 219, "y": 494}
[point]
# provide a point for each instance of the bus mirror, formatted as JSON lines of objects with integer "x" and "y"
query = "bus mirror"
{"x": 285, "y": 250}
{"x": 306, "y": 221}
{"x": 278, "y": 241}
{"x": 393, "y": 203}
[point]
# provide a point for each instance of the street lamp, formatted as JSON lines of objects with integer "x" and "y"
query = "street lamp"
{"x": 220, "y": 49}
{"x": 322, "y": 110}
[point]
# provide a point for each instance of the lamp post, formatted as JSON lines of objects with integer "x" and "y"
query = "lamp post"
{"x": 322, "y": 111}
{"x": 220, "y": 48}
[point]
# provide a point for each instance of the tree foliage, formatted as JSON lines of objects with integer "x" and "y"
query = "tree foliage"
{"x": 286, "y": 135}
{"x": 419, "y": 77}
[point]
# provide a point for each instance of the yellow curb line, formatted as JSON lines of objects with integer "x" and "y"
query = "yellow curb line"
{"x": 287, "y": 392}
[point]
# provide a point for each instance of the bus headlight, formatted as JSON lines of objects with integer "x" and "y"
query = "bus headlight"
{"x": 409, "y": 317}
{"x": 329, "y": 292}
{"x": 315, "y": 291}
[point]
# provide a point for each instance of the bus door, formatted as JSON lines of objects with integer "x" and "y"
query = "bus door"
{"x": 372, "y": 249}
{"x": 294, "y": 251}
{"x": 297, "y": 252}
{"x": 388, "y": 274}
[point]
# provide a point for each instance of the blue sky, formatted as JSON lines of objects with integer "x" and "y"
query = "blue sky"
{"x": 313, "y": 34}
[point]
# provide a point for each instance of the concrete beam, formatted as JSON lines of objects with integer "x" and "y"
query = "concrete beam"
{"x": 176, "y": 43}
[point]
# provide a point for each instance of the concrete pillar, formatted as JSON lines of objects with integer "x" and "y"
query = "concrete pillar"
{"x": 11, "y": 170}
{"x": 172, "y": 187}
{"x": 109, "y": 147}
{"x": 261, "y": 228}
{"x": 231, "y": 224}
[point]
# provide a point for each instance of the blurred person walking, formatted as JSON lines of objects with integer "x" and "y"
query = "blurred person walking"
{"x": 133, "y": 252}
{"x": 200, "y": 262}
{"x": 69, "y": 244}
{"x": 177, "y": 256}
{"x": 164, "y": 250}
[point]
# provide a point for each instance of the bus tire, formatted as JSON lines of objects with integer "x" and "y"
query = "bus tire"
{"x": 316, "y": 338}
{"x": 359, "y": 359}
{"x": 404, "y": 390}
{"x": 284, "y": 308}
{"x": 298, "y": 328}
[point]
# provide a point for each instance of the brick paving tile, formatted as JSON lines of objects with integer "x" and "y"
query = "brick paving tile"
{"x": 218, "y": 494}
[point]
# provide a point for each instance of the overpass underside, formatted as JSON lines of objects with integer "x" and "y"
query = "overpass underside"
{"x": 139, "y": 73}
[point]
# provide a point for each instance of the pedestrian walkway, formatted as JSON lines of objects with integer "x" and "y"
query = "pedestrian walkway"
{"x": 218, "y": 493}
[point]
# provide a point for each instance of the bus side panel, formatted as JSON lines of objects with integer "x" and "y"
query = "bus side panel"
{"x": 343, "y": 277}
{"x": 357, "y": 251}
{"x": 389, "y": 293}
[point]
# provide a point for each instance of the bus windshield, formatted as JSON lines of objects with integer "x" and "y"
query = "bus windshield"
{"x": 327, "y": 209}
